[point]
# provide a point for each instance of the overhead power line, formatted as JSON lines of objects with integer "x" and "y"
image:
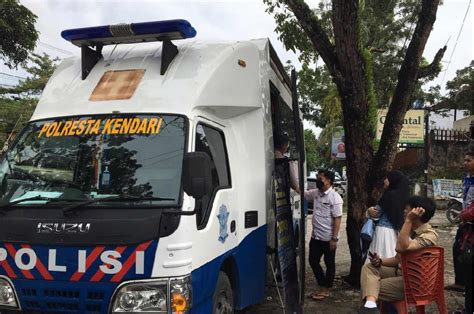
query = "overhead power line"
{"x": 8, "y": 78}
{"x": 456, "y": 43}
{"x": 45, "y": 45}
{"x": 12, "y": 75}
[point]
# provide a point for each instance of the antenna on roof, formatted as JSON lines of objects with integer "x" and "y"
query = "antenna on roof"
{"x": 92, "y": 39}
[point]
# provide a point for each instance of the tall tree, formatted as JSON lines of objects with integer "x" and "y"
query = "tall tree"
{"x": 386, "y": 26}
{"x": 347, "y": 52}
{"x": 18, "y": 35}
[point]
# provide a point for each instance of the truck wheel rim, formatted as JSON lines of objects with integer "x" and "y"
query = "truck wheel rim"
{"x": 223, "y": 305}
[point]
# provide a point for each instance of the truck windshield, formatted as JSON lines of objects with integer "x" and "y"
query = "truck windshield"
{"x": 93, "y": 157}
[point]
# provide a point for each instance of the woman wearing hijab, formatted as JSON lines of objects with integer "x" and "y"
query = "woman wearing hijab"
{"x": 388, "y": 214}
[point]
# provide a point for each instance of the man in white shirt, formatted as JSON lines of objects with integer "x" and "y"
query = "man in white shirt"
{"x": 327, "y": 213}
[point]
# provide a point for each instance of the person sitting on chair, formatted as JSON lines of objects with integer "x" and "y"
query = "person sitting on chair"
{"x": 381, "y": 279}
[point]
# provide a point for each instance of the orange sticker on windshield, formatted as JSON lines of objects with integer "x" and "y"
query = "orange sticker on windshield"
{"x": 101, "y": 126}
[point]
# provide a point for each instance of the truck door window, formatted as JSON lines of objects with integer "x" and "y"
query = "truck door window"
{"x": 282, "y": 118}
{"x": 287, "y": 125}
{"x": 212, "y": 142}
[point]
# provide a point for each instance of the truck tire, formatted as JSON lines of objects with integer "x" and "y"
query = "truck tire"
{"x": 223, "y": 298}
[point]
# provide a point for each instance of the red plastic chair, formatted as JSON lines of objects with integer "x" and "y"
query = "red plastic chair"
{"x": 423, "y": 279}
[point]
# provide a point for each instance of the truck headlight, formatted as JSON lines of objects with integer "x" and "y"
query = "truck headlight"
{"x": 141, "y": 297}
{"x": 181, "y": 295}
{"x": 7, "y": 294}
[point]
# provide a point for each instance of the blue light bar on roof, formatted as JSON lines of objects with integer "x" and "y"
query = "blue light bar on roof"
{"x": 130, "y": 33}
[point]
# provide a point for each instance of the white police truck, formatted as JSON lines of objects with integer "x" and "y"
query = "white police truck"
{"x": 143, "y": 182}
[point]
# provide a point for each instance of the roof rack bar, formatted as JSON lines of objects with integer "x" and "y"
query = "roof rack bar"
{"x": 98, "y": 36}
{"x": 89, "y": 59}
{"x": 168, "y": 54}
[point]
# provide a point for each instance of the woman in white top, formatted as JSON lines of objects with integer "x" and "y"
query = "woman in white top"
{"x": 388, "y": 214}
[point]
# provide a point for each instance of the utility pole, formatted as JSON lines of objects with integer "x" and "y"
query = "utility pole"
{"x": 427, "y": 150}
{"x": 471, "y": 133}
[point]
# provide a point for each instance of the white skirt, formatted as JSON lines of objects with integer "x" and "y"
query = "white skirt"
{"x": 384, "y": 242}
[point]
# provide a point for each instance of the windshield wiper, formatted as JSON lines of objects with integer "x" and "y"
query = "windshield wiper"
{"x": 6, "y": 207}
{"x": 70, "y": 210}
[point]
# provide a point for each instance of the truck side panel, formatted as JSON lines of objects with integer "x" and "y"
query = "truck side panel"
{"x": 249, "y": 257}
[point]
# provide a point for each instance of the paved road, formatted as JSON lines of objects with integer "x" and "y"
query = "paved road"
{"x": 344, "y": 298}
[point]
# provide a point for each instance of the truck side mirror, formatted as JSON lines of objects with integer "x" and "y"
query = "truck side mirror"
{"x": 197, "y": 174}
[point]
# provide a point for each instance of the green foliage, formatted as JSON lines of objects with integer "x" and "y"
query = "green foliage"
{"x": 40, "y": 70}
{"x": 18, "y": 103}
{"x": 18, "y": 35}
{"x": 14, "y": 114}
{"x": 323, "y": 147}
{"x": 331, "y": 106}
{"x": 430, "y": 96}
{"x": 461, "y": 90}
{"x": 316, "y": 87}
{"x": 290, "y": 32}
{"x": 311, "y": 154}
{"x": 318, "y": 151}
{"x": 370, "y": 89}
{"x": 363, "y": 33}
{"x": 384, "y": 29}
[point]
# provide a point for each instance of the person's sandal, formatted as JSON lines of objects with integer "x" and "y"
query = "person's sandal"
{"x": 319, "y": 296}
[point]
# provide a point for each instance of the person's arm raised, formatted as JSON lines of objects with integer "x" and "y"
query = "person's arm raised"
{"x": 404, "y": 243}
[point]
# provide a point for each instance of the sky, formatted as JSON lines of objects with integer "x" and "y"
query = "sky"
{"x": 226, "y": 20}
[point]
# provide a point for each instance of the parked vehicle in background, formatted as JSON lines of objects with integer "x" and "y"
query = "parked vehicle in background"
{"x": 339, "y": 185}
{"x": 454, "y": 209}
{"x": 311, "y": 184}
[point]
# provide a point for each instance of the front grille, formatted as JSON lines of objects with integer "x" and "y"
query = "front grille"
{"x": 95, "y": 295}
{"x": 64, "y": 297}
{"x": 93, "y": 308}
{"x": 63, "y": 306}
{"x": 61, "y": 294}
{"x": 32, "y": 304}
{"x": 29, "y": 292}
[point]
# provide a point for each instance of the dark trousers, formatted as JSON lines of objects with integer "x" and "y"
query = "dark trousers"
{"x": 459, "y": 276}
{"x": 468, "y": 293}
{"x": 316, "y": 250}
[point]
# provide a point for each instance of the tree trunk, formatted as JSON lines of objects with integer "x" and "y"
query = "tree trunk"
{"x": 358, "y": 158}
{"x": 363, "y": 169}
{"x": 358, "y": 131}
{"x": 348, "y": 70}
{"x": 407, "y": 79}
